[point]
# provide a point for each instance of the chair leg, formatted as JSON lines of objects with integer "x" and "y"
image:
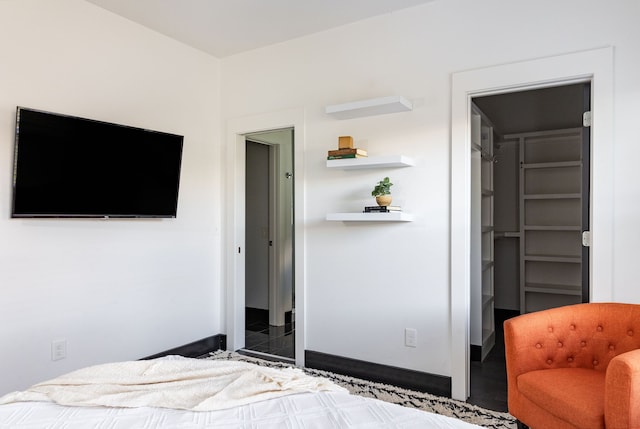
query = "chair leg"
{"x": 521, "y": 425}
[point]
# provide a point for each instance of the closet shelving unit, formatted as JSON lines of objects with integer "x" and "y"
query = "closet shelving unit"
{"x": 361, "y": 108}
{"x": 483, "y": 230}
{"x": 550, "y": 218}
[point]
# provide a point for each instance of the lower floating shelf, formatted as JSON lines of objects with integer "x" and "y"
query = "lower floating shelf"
{"x": 371, "y": 217}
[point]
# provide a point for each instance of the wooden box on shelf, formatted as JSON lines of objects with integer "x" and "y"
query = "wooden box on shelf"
{"x": 345, "y": 142}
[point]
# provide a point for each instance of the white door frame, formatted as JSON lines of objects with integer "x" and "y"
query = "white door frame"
{"x": 593, "y": 65}
{"x": 234, "y": 264}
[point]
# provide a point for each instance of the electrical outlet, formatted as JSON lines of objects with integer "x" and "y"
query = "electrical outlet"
{"x": 58, "y": 349}
{"x": 410, "y": 337}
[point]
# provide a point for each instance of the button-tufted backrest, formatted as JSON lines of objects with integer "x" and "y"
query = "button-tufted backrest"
{"x": 581, "y": 336}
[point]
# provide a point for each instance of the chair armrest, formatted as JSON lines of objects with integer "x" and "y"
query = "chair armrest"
{"x": 526, "y": 343}
{"x": 622, "y": 391}
{"x": 520, "y": 335}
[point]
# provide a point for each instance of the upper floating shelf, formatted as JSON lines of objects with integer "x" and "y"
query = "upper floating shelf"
{"x": 370, "y": 107}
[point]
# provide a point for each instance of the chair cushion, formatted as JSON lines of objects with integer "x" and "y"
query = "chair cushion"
{"x": 575, "y": 395}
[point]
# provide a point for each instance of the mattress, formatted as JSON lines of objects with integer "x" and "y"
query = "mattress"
{"x": 322, "y": 410}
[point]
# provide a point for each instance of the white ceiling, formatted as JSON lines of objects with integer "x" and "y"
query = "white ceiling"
{"x": 227, "y": 27}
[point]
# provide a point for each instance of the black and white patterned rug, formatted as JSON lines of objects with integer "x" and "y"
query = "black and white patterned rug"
{"x": 408, "y": 398}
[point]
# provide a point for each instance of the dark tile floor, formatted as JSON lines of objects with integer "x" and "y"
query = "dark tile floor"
{"x": 488, "y": 378}
{"x": 263, "y": 338}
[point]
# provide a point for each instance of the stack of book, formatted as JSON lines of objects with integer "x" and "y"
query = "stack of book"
{"x": 346, "y": 153}
{"x": 381, "y": 209}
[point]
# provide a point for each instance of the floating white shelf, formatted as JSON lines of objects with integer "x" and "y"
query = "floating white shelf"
{"x": 370, "y": 107}
{"x": 389, "y": 161}
{"x": 371, "y": 217}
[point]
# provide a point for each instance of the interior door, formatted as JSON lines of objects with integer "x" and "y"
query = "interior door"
{"x": 257, "y": 226}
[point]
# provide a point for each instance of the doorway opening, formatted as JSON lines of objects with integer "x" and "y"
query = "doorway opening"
{"x": 530, "y": 199}
{"x": 594, "y": 65}
{"x": 269, "y": 245}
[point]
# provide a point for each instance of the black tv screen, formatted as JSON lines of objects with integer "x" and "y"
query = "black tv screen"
{"x": 65, "y": 166}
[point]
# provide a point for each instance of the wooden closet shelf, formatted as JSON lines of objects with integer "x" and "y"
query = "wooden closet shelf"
{"x": 556, "y": 289}
{"x": 552, "y": 228}
{"x": 553, "y": 258}
{"x": 572, "y": 196}
{"x": 558, "y": 164}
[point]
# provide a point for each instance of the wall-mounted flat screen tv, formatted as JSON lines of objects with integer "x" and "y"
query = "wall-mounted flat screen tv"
{"x": 66, "y": 166}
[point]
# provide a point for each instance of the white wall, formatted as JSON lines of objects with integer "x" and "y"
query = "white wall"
{"x": 392, "y": 276}
{"x": 125, "y": 289}
{"x": 117, "y": 289}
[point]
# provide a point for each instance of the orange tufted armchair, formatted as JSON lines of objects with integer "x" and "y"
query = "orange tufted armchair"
{"x": 575, "y": 367}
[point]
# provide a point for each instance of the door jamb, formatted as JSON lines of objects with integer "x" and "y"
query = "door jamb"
{"x": 234, "y": 239}
{"x": 276, "y": 313}
{"x": 595, "y": 65}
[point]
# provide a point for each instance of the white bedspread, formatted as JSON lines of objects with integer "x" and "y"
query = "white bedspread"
{"x": 176, "y": 392}
{"x": 322, "y": 410}
{"x": 174, "y": 382}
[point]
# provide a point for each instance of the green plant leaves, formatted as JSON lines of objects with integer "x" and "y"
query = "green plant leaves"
{"x": 382, "y": 188}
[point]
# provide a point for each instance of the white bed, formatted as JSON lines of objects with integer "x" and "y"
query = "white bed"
{"x": 191, "y": 393}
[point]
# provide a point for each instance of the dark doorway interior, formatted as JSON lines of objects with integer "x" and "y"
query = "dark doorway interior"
{"x": 517, "y": 239}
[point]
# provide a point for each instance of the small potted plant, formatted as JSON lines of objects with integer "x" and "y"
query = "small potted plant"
{"x": 382, "y": 192}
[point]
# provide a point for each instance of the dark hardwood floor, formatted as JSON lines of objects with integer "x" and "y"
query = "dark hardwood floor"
{"x": 489, "y": 378}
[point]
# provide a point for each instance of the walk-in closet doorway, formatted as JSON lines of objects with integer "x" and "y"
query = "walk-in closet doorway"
{"x": 530, "y": 177}
{"x": 531, "y": 199}
{"x": 595, "y": 66}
